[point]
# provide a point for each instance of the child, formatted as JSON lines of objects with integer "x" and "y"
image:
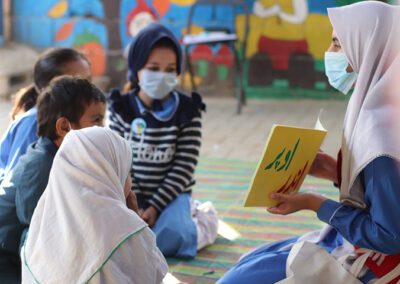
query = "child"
{"x": 364, "y": 230}
{"x": 69, "y": 103}
{"x": 164, "y": 128}
{"x": 22, "y": 131}
{"x": 90, "y": 236}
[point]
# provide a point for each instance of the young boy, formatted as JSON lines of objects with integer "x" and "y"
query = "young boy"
{"x": 68, "y": 103}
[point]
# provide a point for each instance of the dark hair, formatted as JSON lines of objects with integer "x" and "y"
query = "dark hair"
{"x": 24, "y": 100}
{"x": 68, "y": 97}
{"x": 49, "y": 65}
{"x": 164, "y": 42}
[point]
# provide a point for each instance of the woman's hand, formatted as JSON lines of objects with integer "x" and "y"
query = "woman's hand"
{"x": 150, "y": 216}
{"x": 131, "y": 202}
{"x": 290, "y": 203}
{"x": 324, "y": 166}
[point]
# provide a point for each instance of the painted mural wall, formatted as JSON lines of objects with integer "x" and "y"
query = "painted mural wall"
{"x": 285, "y": 46}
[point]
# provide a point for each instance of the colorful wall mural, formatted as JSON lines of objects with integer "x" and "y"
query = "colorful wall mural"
{"x": 285, "y": 46}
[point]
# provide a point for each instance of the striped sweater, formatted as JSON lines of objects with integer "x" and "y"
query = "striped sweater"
{"x": 165, "y": 152}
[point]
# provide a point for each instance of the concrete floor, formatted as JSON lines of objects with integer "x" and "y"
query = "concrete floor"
{"x": 232, "y": 136}
{"x": 227, "y": 135}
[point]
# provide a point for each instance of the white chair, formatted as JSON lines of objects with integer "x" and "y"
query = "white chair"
{"x": 219, "y": 35}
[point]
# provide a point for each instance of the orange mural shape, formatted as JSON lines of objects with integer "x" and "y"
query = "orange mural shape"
{"x": 65, "y": 31}
{"x": 162, "y": 6}
{"x": 96, "y": 55}
{"x": 59, "y": 9}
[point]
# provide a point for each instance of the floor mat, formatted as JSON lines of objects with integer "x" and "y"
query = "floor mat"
{"x": 225, "y": 183}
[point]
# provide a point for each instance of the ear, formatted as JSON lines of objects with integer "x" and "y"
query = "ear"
{"x": 63, "y": 126}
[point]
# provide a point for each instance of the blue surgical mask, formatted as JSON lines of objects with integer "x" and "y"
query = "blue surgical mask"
{"x": 156, "y": 84}
{"x": 336, "y": 64}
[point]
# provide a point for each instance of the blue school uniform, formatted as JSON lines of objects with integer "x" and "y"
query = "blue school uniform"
{"x": 165, "y": 142}
{"x": 20, "y": 193}
{"x": 20, "y": 134}
{"x": 375, "y": 228}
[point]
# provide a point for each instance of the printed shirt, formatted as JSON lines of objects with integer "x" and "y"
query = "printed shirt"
{"x": 165, "y": 144}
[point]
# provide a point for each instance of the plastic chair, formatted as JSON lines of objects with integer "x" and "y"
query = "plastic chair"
{"x": 219, "y": 35}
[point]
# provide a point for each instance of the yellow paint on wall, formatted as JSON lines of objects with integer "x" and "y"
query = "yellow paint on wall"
{"x": 316, "y": 30}
{"x": 256, "y": 25}
{"x": 59, "y": 9}
{"x": 276, "y": 28}
{"x": 286, "y": 6}
{"x": 272, "y": 27}
{"x": 318, "y": 34}
{"x": 182, "y": 2}
{"x": 186, "y": 81}
{"x": 194, "y": 30}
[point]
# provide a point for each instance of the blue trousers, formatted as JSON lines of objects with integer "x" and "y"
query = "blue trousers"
{"x": 175, "y": 229}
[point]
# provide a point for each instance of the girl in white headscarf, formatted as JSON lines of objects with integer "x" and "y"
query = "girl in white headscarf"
{"x": 82, "y": 230}
{"x": 363, "y": 235}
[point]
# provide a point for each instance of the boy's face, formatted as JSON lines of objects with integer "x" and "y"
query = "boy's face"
{"x": 93, "y": 115}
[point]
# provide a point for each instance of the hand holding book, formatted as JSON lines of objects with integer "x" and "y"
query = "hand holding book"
{"x": 290, "y": 203}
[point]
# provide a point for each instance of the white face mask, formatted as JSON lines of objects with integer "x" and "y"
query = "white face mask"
{"x": 336, "y": 64}
{"x": 156, "y": 84}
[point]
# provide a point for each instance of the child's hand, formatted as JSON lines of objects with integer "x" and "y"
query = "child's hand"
{"x": 131, "y": 202}
{"x": 290, "y": 203}
{"x": 324, "y": 166}
{"x": 150, "y": 216}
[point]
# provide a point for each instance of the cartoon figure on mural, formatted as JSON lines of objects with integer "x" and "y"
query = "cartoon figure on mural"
{"x": 140, "y": 17}
{"x": 282, "y": 47}
{"x": 289, "y": 44}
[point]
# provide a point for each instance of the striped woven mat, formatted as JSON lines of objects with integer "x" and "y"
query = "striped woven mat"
{"x": 225, "y": 183}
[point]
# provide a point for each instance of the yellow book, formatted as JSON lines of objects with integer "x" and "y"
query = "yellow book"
{"x": 286, "y": 160}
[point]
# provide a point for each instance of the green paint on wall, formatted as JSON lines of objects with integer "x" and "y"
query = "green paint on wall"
{"x": 319, "y": 66}
{"x": 293, "y": 93}
{"x": 320, "y": 86}
{"x": 280, "y": 83}
{"x": 202, "y": 69}
{"x": 85, "y": 37}
{"x": 222, "y": 72}
{"x": 346, "y": 2}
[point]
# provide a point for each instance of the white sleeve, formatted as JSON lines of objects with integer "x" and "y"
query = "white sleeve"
{"x": 136, "y": 261}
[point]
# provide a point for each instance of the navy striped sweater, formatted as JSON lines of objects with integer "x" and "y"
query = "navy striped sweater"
{"x": 165, "y": 153}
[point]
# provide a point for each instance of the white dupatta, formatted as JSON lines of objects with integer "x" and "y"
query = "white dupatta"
{"x": 82, "y": 220}
{"x": 368, "y": 33}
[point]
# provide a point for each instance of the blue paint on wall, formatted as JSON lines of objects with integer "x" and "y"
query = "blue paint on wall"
{"x": 320, "y": 7}
{"x": 33, "y": 26}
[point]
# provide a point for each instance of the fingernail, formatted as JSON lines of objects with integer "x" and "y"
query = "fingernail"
{"x": 273, "y": 195}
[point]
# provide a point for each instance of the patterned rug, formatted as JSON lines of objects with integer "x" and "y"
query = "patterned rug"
{"x": 225, "y": 183}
